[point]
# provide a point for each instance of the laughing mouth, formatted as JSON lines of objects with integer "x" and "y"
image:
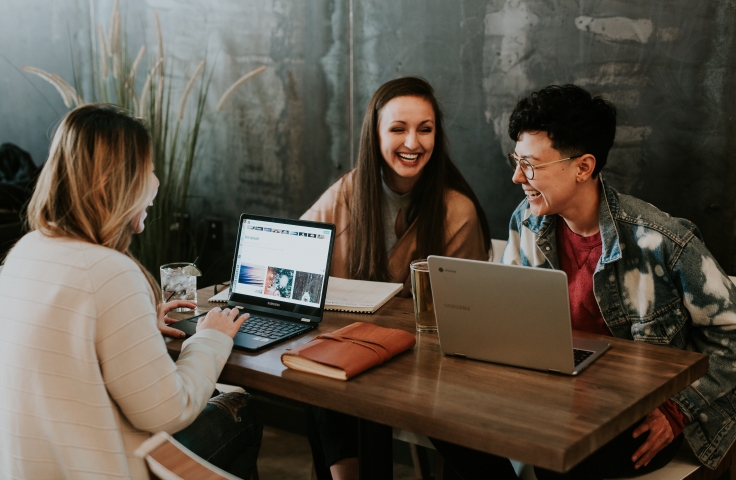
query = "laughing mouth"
{"x": 531, "y": 194}
{"x": 408, "y": 157}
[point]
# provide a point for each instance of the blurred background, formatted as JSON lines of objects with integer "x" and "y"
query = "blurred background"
{"x": 284, "y": 137}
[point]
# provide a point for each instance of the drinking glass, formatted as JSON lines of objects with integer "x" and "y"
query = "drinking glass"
{"x": 422, "y": 293}
{"x": 177, "y": 283}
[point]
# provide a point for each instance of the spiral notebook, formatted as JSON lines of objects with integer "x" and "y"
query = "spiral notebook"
{"x": 344, "y": 295}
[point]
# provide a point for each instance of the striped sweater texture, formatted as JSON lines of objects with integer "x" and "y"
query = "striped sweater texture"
{"x": 84, "y": 372}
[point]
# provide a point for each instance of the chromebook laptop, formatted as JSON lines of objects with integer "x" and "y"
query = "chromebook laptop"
{"x": 507, "y": 314}
{"x": 279, "y": 276}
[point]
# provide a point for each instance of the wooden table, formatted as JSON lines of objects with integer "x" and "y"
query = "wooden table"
{"x": 545, "y": 419}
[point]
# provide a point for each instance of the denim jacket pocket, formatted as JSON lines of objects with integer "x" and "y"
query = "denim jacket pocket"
{"x": 663, "y": 326}
{"x": 713, "y": 430}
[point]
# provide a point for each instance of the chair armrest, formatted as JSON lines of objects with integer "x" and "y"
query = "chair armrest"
{"x": 168, "y": 459}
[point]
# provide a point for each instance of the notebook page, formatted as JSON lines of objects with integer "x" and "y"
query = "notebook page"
{"x": 359, "y": 293}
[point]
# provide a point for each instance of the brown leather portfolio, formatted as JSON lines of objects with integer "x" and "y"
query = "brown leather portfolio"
{"x": 348, "y": 351}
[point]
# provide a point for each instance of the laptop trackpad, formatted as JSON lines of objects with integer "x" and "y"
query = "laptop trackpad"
{"x": 250, "y": 342}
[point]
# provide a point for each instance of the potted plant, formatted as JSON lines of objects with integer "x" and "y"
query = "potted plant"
{"x": 174, "y": 124}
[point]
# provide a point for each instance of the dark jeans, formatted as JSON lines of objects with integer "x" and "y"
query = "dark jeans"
{"x": 227, "y": 434}
{"x": 613, "y": 460}
{"x": 462, "y": 463}
{"x": 332, "y": 437}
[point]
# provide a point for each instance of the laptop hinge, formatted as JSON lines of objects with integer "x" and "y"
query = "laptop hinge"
{"x": 306, "y": 320}
{"x": 460, "y": 355}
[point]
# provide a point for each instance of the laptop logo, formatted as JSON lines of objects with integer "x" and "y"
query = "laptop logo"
{"x": 447, "y": 269}
{"x": 274, "y": 304}
{"x": 457, "y": 307}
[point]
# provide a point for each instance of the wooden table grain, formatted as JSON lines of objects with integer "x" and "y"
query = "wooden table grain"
{"x": 545, "y": 419}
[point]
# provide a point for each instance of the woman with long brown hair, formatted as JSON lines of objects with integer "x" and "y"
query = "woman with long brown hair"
{"x": 404, "y": 200}
{"x": 85, "y": 376}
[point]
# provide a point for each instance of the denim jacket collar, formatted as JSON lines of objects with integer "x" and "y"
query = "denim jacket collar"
{"x": 608, "y": 207}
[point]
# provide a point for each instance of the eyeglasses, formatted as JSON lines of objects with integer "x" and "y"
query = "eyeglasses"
{"x": 527, "y": 168}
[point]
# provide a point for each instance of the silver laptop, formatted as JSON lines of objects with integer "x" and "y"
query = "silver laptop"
{"x": 508, "y": 314}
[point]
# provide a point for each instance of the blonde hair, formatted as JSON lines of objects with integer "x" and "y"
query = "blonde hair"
{"x": 95, "y": 180}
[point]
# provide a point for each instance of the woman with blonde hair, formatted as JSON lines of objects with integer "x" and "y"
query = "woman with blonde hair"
{"x": 85, "y": 376}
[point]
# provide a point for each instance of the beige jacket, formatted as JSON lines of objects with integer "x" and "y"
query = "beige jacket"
{"x": 463, "y": 236}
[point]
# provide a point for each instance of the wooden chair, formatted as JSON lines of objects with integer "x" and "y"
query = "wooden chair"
{"x": 225, "y": 388}
{"x": 421, "y": 465}
{"x": 498, "y": 248}
{"x": 168, "y": 459}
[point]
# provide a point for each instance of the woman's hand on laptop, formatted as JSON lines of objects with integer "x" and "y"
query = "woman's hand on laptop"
{"x": 164, "y": 320}
{"x": 225, "y": 321}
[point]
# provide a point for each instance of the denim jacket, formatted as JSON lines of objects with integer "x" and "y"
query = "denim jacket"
{"x": 656, "y": 282}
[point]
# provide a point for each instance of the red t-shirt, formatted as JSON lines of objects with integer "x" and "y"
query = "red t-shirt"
{"x": 578, "y": 257}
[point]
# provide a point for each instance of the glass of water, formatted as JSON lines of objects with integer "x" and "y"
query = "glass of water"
{"x": 422, "y": 293}
{"x": 179, "y": 282}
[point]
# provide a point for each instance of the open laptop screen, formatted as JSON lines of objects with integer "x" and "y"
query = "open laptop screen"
{"x": 282, "y": 264}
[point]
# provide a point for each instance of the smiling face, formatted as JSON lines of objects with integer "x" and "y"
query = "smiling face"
{"x": 554, "y": 188}
{"x": 153, "y": 184}
{"x": 406, "y": 131}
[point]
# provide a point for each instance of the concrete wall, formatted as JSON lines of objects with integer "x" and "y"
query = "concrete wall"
{"x": 669, "y": 65}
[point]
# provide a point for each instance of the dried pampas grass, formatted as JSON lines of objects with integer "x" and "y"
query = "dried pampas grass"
{"x": 103, "y": 51}
{"x": 145, "y": 92}
{"x": 136, "y": 64}
{"x": 68, "y": 93}
{"x": 160, "y": 38}
{"x": 238, "y": 83}
{"x": 187, "y": 89}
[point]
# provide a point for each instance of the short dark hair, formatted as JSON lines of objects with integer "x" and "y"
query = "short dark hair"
{"x": 575, "y": 121}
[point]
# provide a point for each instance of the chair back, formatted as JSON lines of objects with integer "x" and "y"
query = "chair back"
{"x": 498, "y": 246}
{"x": 168, "y": 459}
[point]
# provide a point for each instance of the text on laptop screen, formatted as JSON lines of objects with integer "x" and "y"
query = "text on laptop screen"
{"x": 281, "y": 260}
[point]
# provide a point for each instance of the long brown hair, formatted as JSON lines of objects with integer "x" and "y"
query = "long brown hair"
{"x": 367, "y": 256}
{"x": 95, "y": 180}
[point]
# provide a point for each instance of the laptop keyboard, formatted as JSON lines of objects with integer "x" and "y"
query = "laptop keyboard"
{"x": 266, "y": 327}
{"x": 270, "y": 328}
{"x": 581, "y": 355}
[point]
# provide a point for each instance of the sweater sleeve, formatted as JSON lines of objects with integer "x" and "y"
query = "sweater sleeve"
{"x": 324, "y": 209}
{"x": 464, "y": 238}
{"x": 674, "y": 416}
{"x": 154, "y": 393}
{"x": 319, "y": 212}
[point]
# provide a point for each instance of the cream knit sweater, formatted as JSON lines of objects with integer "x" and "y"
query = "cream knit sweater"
{"x": 84, "y": 372}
